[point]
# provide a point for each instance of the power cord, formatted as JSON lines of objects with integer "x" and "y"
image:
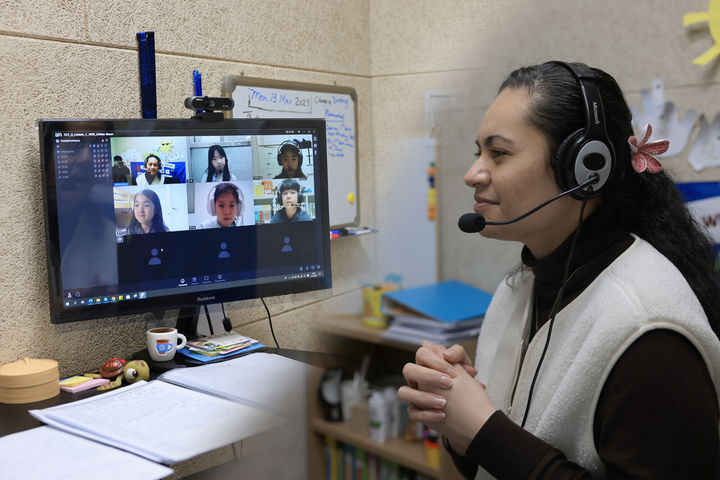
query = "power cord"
{"x": 270, "y": 321}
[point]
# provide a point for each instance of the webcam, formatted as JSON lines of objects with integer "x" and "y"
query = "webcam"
{"x": 209, "y": 104}
{"x": 206, "y": 107}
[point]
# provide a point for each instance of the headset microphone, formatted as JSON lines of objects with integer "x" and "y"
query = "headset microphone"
{"x": 474, "y": 222}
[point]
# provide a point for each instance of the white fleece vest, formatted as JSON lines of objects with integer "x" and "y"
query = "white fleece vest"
{"x": 640, "y": 291}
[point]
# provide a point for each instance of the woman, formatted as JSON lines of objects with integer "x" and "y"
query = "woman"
{"x": 147, "y": 214}
{"x": 226, "y": 205}
{"x": 152, "y": 175}
{"x": 217, "y": 169}
{"x": 600, "y": 356}
{"x": 291, "y": 199}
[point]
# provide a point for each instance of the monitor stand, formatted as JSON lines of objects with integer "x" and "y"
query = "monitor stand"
{"x": 202, "y": 321}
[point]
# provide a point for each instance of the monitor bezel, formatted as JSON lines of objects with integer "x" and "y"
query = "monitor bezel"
{"x": 59, "y": 314}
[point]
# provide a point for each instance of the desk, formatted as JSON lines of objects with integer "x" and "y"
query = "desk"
{"x": 238, "y": 456}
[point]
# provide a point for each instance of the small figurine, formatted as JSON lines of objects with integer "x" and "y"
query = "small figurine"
{"x": 113, "y": 367}
{"x": 131, "y": 371}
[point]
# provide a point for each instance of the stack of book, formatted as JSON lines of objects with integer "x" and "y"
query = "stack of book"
{"x": 443, "y": 313}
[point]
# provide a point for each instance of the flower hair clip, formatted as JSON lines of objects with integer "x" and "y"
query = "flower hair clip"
{"x": 643, "y": 153}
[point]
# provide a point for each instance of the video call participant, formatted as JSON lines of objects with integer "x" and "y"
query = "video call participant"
{"x": 291, "y": 198}
{"x": 290, "y": 158}
{"x": 152, "y": 175}
{"x": 120, "y": 171}
{"x": 218, "y": 169}
{"x": 627, "y": 384}
{"x": 147, "y": 214}
{"x": 225, "y": 203}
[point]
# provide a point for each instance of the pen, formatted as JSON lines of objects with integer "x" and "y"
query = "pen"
{"x": 358, "y": 230}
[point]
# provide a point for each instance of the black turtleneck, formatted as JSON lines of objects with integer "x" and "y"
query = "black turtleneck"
{"x": 640, "y": 428}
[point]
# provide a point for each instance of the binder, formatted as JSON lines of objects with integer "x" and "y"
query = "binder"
{"x": 443, "y": 313}
{"x": 448, "y": 302}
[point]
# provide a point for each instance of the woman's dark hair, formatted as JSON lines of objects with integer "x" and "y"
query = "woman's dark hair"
{"x": 157, "y": 222}
{"x": 211, "y": 170}
{"x": 648, "y": 205}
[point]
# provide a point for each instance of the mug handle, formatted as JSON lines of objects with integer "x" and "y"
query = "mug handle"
{"x": 183, "y": 341}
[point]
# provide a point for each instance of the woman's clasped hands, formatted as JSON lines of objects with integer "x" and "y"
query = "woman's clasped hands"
{"x": 442, "y": 393}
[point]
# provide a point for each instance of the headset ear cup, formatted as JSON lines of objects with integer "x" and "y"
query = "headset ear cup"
{"x": 211, "y": 202}
{"x": 564, "y": 163}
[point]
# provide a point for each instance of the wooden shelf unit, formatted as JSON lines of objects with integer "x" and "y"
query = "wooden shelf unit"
{"x": 408, "y": 454}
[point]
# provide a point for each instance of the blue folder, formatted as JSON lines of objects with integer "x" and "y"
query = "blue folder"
{"x": 450, "y": 301}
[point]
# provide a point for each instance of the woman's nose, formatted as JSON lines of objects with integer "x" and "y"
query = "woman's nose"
{"x": 477, "y": 174}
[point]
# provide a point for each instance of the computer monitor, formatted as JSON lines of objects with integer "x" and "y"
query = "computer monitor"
{"x": 158, "y": 214}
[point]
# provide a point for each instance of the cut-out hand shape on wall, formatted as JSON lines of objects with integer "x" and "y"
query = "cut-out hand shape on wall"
{"x": 664, "y": 119}
{"x": 706, "y": 148}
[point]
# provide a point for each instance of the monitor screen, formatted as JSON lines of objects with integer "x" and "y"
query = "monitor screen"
{"x": 158, "y": 214}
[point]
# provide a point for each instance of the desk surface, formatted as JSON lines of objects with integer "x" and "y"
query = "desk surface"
{"x": 15, "y": 417}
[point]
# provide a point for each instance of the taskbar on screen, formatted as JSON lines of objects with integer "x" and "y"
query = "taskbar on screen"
{"x": 189, "y": 286}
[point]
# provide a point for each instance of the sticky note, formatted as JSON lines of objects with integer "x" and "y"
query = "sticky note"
{"x": 73, "y": 381}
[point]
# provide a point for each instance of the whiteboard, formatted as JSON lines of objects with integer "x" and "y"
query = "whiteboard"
{"x": 263, "y": 98}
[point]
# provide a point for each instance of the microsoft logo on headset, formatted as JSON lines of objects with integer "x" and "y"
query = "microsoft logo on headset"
{"x": 595, "y": 113}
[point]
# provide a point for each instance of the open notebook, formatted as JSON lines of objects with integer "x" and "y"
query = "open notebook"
{"x": 204, "y": 408}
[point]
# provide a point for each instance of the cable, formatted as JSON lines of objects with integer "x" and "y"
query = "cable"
{"x": 554, "y": 311}
{"x": 227, "y": 324}
{"x": 270, "y": 321}
{"x": 207, "y": 315}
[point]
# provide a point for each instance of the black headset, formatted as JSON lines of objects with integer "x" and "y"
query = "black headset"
{"x": 288, "y": 185}
{"x": 289, "y": 145}
{"x": 588, "y": 150}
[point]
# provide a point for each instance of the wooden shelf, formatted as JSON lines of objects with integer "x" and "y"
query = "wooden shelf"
{"x": 407, "y": 454}
{"x": 352, "y": 326}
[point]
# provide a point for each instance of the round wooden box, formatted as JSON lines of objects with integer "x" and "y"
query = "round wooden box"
{"x": 29, "y": 380}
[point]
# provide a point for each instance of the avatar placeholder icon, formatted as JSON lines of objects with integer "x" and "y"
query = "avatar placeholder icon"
{"x": 154, "y": 260}
{"x": 223, "y": 251}
{"x": 287, "y": 247}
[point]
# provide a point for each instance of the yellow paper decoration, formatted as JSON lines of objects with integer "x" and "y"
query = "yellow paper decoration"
{"x": 712, "y": 16}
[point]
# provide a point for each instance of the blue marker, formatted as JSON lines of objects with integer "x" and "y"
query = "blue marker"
{"x": 197, "y": 83}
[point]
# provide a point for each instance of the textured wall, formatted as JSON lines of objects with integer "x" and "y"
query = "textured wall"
{"x": 78, "y": 59}
{"x": 470, "y": 45}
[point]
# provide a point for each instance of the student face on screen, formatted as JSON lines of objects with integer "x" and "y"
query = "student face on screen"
{"x": 289, "y": 162}
{"x": 218, "y": 161}
{"x": 226, "y": 208}
{"x": 144, "y": 210}
{"x": 289, "y": 198}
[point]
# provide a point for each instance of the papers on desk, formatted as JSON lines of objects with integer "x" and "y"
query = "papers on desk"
{"x": 50, "y": 454}
{"x": 220, "y": 347}
{"x": 157, "y": 420}
{"x": 262, "y": 380}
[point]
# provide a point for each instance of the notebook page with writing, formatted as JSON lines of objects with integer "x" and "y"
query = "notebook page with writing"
{"x": 157, "y": 420}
